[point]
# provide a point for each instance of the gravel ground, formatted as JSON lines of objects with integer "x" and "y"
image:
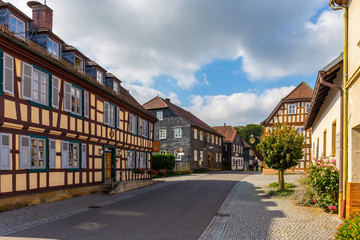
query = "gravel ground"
{"x": 248, "y": 213}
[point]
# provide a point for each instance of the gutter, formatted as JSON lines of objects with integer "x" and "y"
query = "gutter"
{"x": 342, "y": 197}
{"x": 341, "y": 187}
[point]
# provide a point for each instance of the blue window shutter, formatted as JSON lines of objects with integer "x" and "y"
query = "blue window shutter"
{"x": 5, "y": 151}
{"x": 1, "y": 71}
{"x": 24, "y": 153}
{"x": 83, "y": 155}
{"x": 55, "y": 92}
{"x": 27, "y": 81}
{"x": 8, "y": 74}
{"x": 52, "y": 153}
{"x": 67, "y": 97}
{"x": 86, "y": 104}
{"x": 64, "y": 154}
{"x": 117, "y": 117}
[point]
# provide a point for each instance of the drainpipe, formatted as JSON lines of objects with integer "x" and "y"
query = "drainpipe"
{"x": 345, "y": 104}
{"x": 322, "y": 81}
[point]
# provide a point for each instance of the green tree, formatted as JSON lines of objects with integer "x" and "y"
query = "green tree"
{"x": 251, "y": 129}
{"x": 282, "y": 149}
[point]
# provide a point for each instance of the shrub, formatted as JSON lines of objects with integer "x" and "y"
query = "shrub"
{"x": 139, "y": 171}
{"x": 305, "y": 194}
{"x": 161, "y": 173}
{"x": 324, "y": 178}
{"x": 162, "y": 161}
{"x": 350, "y": 228}
{"x": 201, "y": 170}
{"x": 151, "y": 172}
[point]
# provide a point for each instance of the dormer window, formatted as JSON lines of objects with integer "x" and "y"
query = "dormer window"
{"x": 116, "y": 87}
{"x": 79, "y": 64}
{"x": 53, "y": 48}
{"x": 99, "y": 77}
{"x": 17, "y": 26}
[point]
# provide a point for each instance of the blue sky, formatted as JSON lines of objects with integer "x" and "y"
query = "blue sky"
{"x": 225, "y": 61}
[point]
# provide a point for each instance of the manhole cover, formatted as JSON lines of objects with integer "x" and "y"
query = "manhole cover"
{"x": 94, "y": 207}
{"x": 222, "y": 214}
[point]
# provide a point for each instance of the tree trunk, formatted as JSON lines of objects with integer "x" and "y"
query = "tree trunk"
{"x": 279, "y": 179}
{"x": 282, "y": 181}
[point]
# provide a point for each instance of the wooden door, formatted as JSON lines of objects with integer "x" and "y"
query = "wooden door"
{"x": 108, "y": 166}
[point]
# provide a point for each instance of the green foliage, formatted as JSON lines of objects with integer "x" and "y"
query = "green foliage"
{"x": 324, "y": 178}
{"x": 305, "y": 194}
{"x": 281, "y": 147}
{"x": 251, "y": 129}
{"x": 281, "y": 193}
{"x": 350, "y": 228}
{"x": 161, "y": 162}
{"x": 139, "y": 171}
{"x": 179, "y": 173}
{"x": 277, "y": 185}
{"x": 201, "y": 170}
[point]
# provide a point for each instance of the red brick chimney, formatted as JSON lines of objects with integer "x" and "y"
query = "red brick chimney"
{"x": 42, "y": 15}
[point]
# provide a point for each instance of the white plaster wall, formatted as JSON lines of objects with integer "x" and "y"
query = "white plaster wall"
{"x": 329, "y": 112}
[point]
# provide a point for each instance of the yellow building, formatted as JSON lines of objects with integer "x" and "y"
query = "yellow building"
{"x": 66, "y": 125}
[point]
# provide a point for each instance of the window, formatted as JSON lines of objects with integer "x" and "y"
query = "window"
{"x": 220, "y": 141}
{"x": 216, "y": 140}
{"x": 216, "y": 157}
{"x": 4, "y": 151}
{"x": 195, "y": 156}
{"x": 292, "y": 109}
{"x": 333, "y": 139}
{"x": 307, "y": 107}
{"x": 178, "y": 133}
{"x": 201, "y": 135}
{"x": 8, "y": 74}
{"x": 324, "y": 143}
{"x": 99, "y": 77}
{"x": 145, "y": 128}
{"x": 162, "y": 134}
{"x": 55, "y": 92}
{"x": 208, "y": 137}
{"x": 162, "y": 152}
{"x": 73, "y": 155}
{"x": 53, "y": 48}
{"x": 111, "y": 115}
{"x": 234, "y": 148}
{"x": 300, "y": 130}
{"x": 73, "y": 100}
{"x": 220, "y": 157}
{"x": 131, "y": 159}
{"x": 79, "y": 64}
{"x": 17, "y": 26}
{"x": 38, "y": 153}
{"x": 133, "y": 124}
{"x": 143, "y": 160}
{"x": 35, "y": 85}
{"x": 116, "y": 87}
{"x": 195, "y": 133}
{"x": 212, "y": 138}
{"x": 177, "y": 155}
{"x": 159, "y": 115}
{"x": 70, "y": 155}
{"x": 201, "y": 156}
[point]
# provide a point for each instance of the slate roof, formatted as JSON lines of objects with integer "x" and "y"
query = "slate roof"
{"x": 228, "y": 132}
{"x": 302, "y": 92}
{"x": 160, "y": 103}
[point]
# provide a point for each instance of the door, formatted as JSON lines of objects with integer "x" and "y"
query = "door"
{"x": 108, "y": 164}
{"x": 209, "y": 160}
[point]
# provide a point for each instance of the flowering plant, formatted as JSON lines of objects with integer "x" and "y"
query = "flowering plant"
{"x": 151, "y": 172}
{"x": 162, "y": 173}
{"x": 350, "y": 228}
{"x": 139, "y": 171}
{"x": 324, "y": 178}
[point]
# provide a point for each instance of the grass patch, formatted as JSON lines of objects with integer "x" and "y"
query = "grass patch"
{"x": 281, "y": 193}
{"x": 277, "y": 185}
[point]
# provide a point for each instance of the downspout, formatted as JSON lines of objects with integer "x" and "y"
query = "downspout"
{"x": 322, "y": 81}
{"x": 345, "y": 104}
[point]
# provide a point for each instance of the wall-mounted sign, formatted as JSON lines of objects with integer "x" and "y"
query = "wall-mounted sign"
{"x": 156, "y": 146}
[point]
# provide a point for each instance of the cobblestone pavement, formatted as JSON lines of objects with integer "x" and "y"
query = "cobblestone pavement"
{"x": 248, "y": 213}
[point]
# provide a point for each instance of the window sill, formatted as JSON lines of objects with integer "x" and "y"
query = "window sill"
{"x": 40, "y": 105}
{"x": 36, "y": 170}
{"x": 73, "y": 169}
{"x": 75, "y": 115}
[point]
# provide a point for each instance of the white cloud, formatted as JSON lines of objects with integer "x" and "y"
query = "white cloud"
{"x": 138, "y": 40}
{"x": 238, "y": 108}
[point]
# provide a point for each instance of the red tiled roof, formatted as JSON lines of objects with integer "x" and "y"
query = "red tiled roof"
{"x": 303, "y": 90}
{"x": 160, "y": 103}
{"x": 228, "y": 132}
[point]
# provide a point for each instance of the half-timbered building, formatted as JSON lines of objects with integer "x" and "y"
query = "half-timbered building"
{"x": 292, "y": 110}
{"x": 66, "y": 125}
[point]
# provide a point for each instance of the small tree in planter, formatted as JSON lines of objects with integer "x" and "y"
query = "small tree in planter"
{"x": 282, "y": 149}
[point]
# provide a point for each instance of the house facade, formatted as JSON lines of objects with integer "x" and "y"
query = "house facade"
{"x": 292, "y": 110}
{"x": 324, "y": 114}
{"x": 193, "y": 143}
{"x": 249, "y": 156}
{"x": 64, "y": 128}
{"x": 233, "y": 149}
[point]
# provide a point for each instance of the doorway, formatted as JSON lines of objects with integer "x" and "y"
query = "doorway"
{"x": 109, "y": 164}
{"x": 210, "y": 160}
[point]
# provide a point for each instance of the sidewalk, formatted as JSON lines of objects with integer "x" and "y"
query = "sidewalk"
{"x": 247, "y": 213}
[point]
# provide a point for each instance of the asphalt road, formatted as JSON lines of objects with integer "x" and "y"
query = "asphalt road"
{"x": 177, "y": 211}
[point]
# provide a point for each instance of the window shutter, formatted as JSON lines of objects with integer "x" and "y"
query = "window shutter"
{"x": 64, "y": 154}
{"x": 139, "y": 126}
{"x": 52, "y": 153}
{"x": 25, "y": 152}
{"x": 67, "y": 97}
{"x": 55, "y": 92}
{"x": 135, "y": 119}
{"x": 106, "y": 113}
{"x": 128, "y": 159}
{"x": 86, "y": 104}
{"x": 83, "y": 155}
{"x": 26, "y": 81}
{"x": 117, "y": 117}
{"x": 8, "y": 71}
{"x": 4, "y": 151}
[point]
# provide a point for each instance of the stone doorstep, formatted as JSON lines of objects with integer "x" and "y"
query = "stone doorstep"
{"x": 131, "y": 185}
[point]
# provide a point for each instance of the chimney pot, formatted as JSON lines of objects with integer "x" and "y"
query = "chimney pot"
{"x": 168, "y": 99}
{"x": 41, "y": 14}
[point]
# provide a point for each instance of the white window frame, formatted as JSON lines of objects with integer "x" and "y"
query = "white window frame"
{"x": 38, "y": 86}
{"x": 143, "y": 160}
{"x": 162, "y": 133}
{"x": 195, "y": 133}
{"x": 212, "y": 138}
{"x": 116, "y": 87}
{"x": 131, "y": 159}
{"x": 160, "y": 115}
{"x": 10, "y": 71}
{"x": 18, "y": 32}
{"x": 5, "y": 157}
{"x": 99, "y": 76}
{"x": 37, "y": 157}
{"x": 195, "y": 156}
{"x": 292, "y": 109}
{"x": 300, "y": 130}
{"x": 72, "y": 159}
{"x": 177, "y": 133}
{"x": 307, "y": 107}
{"x": 76, "y": 97}
{"x": 177, "y": 156}
{"x": 80, "y": 68}
{"x": 54, "y": 49}
{"x": 201, "y": 158}
{"x": 201, "y": 135}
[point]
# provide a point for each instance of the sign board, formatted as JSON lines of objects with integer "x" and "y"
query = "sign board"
{"x": 181, "y": 154}
{"x": 156, "y": 146}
